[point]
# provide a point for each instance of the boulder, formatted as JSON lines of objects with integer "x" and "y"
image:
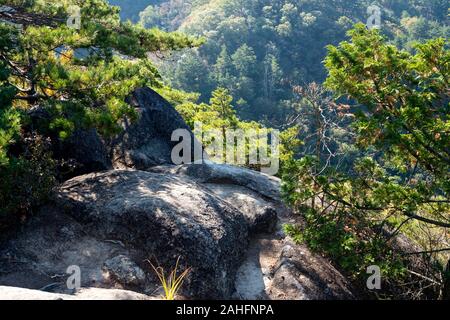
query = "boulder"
{"x": 14, "y": 293}
{"x": 141, "y": 215}
{"x": 164, "y": 216}
{"x": 255, "y": 195}
{"x": 301, "y": 275}
{"x": 223, "y": 174}
{"x": 124, "y": 270}
{"x": 142, "y": 144}
{"x": 147, "y": 142}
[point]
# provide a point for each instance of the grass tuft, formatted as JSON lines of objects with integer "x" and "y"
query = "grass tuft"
{"x": 171, "y": 283}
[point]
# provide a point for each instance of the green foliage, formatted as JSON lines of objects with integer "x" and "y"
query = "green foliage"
{"x": 216, "y": 117}
{"x": 83, "y": 76}
{"x": 290, "y": 146}
{"x": 348, "y": 244}
{"x": 79, "y": 77}
{"x": 220, "y": 115}
{"x": 405, "y": 114}
{"x": 257, "y": 49}
{"x": 26, "y": 182}
{"x": 401, "y": 127}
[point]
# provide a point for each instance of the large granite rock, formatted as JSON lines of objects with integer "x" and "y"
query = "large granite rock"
{"x": 14, "y": 293}
{"x": 254, "y": 194}
{"x": 164, "y": 216}
{"x": 147, "y": 142}
{"x": 138, "y": 214}
{"x": 223, "y": 174}
{"x": 112, "y": 223}
{"x": 142, "y": 144}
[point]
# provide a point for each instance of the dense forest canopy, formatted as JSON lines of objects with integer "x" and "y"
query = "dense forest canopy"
{"x": 259, "y": 49}
{"x": 129, "y": 10}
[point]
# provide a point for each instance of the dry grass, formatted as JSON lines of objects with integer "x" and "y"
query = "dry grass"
{"x": 172, "y": 282}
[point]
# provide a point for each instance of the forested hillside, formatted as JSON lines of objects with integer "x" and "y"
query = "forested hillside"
{"x": 129, "y": 10}
{"x": 260, "y": 49}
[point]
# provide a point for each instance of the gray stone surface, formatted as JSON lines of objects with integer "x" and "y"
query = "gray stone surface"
{"x": 164, "y": 216}
{"x": 260, "y": 214}
{"x": 124, "y": 270}
{"x": 255, "y": 194}
{"x": 14, "y": 293}
{"x": 301, "y": 275}
{"x": 147, "y": 142}
{"x": 142, "y": 144}
{"x": 267, "y": 186}
{"x": 147, "y": 215}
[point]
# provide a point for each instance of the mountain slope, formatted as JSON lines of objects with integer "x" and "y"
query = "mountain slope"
{"x": 259, "y": 49}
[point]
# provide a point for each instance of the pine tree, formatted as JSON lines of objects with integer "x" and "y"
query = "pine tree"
{"x": 79, "y": 75}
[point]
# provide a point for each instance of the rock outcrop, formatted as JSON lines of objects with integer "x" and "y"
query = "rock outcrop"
{"x": 14, "y": 293}
{"x": 129, "y": 206}
{"x": 276, "y": 268}
{"x": 147, "y": 142}
{"x": 222, "y": 174}
{"x": 110, "y": 223}
{"x": 142, "y": 144}
{"x": 164, "y": 216}
{"x": 159, "y": 216}
{"x": 254, "y": 194}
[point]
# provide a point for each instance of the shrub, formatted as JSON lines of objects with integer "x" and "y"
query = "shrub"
{"x": 26, "y": 181}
